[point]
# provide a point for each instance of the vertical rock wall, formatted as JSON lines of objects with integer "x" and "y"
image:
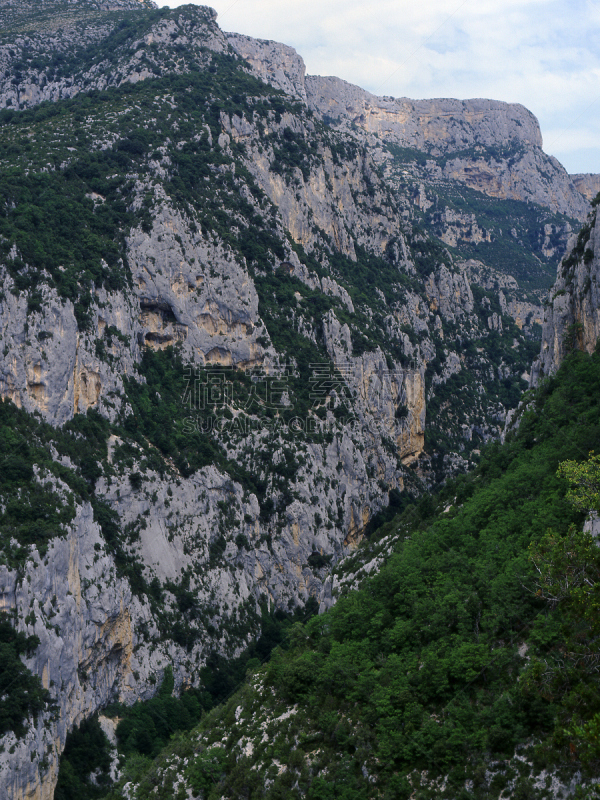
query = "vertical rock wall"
{"x": 572, "y": 317}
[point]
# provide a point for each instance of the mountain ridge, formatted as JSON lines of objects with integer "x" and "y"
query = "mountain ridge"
{"x": 419, "y": 125}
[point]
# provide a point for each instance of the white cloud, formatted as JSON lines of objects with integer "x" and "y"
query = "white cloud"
{"x": 544, "y": 54}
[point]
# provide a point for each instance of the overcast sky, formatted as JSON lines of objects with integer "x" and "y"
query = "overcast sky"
{"x": 544, "y": 54}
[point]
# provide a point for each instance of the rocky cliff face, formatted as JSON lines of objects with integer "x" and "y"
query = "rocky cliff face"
{"x": 268, "y": 303}
{"x": 82, "y": 614}
{"x": 588, "y": 184}
{"x": 572, "y": 316}
{"x": 54, "y": 51}
{"x": 493, "y": 147}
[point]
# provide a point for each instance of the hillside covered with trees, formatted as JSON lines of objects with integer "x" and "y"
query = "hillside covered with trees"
{"x": 465, "y": 667}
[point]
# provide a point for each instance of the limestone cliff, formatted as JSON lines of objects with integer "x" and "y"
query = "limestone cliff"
{"x": 490, "y": 146}
{"x": 588, "y": 184}
{"x": 572, "y": 316}
{"x": 82, "y": 614}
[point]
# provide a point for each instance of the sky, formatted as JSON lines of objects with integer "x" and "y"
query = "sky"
{"x": 544, "y": 54}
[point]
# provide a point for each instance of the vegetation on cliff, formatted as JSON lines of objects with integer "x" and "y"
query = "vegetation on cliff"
{"x": 447, "y": 661}
{"x": 22, "y": 695}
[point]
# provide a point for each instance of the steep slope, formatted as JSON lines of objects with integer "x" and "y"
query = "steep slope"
{"x": 572, "y": 316}
{"x": 490, "y": 146}
{"x": 444, "y": 674}
{"x": 445, "y": 157}
{"x": 424, "y": 680}
{"x": 588, "y": 184}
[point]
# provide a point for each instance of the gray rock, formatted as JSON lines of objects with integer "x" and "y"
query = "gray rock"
{"x": 572, "y": 315}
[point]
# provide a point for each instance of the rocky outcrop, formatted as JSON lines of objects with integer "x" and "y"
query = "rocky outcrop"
{"x": 185, "y": 290}
{"x": 193, "y": 293}
{"x": 449, "y": 294}
{"x": 519, "y": 174}
{"x": 512, "y": 163}
{"x": 572, "y": 317}
{"x": 347, "y": 202}
{"x": 87, "y": 38}
{"x": 436, "y": 126}
{"x": 100, "y": 642}
{"x": 85, "y": 618}
{"x": 457, "y": 227}
{"x": 588, "y": 184}
{"x": 524, "y": 313}
{"x": 48, "y": 365}
{"x": 493, "y": 147}
{"x": 276, "y": 64}
{"x": 380, "y": 393}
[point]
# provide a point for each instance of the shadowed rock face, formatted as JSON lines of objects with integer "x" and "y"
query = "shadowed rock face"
{"x": 572, "y": 316}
